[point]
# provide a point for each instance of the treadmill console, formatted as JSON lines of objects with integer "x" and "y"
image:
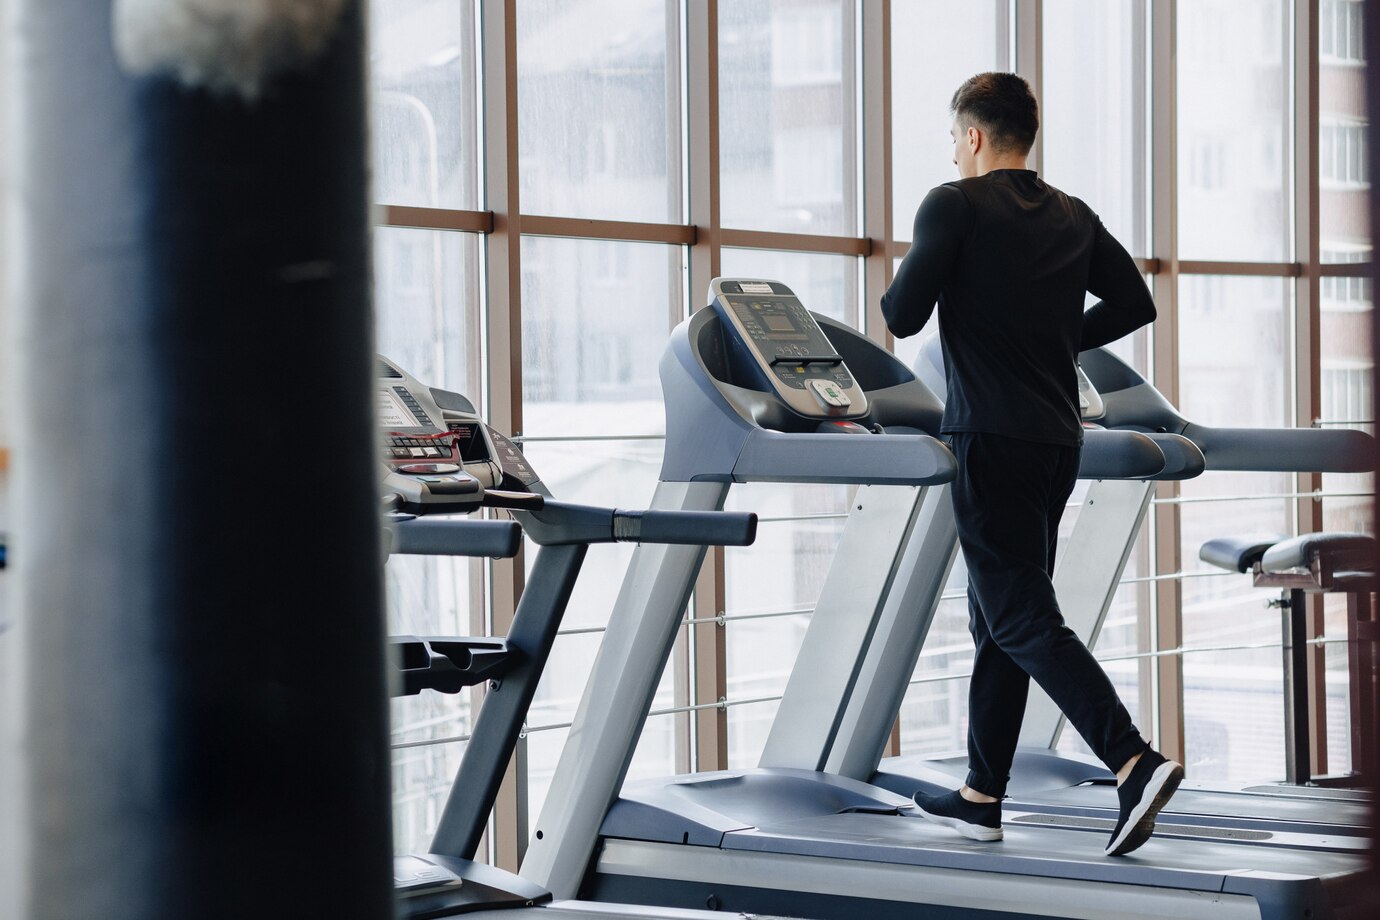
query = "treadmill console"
{"x": 793, "y": 356}
{"x": 435, "y": 459}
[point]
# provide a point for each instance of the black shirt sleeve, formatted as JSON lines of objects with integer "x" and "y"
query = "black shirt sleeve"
{"x": 1126, "y": 304}
{"x": 940, "y": 225}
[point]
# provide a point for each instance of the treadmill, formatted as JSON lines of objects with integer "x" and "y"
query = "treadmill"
{"x": 1060, "y": 786}
{"x": 759, "y": 389}
{"x": 441, "y": 460}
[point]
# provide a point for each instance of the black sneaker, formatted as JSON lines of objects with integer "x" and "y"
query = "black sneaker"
{"x": 978, "y": 820}
{"x": 1153, "y": 780}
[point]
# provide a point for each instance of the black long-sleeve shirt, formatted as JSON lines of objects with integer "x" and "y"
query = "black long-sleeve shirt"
{"x": 1009, "y": 259}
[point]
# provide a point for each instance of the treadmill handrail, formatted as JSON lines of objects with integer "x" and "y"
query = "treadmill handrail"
{"x": 1182, "y": 458}
{"x": 1284, "y": 450}
{"x": 566, "y": 523}
{"x": 455, "y": 537}
{"x": 1110, "y": 454}
{"x": 1132, "y": 402}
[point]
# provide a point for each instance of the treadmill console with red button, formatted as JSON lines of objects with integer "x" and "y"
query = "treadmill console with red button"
{"x": 437, "y": 456}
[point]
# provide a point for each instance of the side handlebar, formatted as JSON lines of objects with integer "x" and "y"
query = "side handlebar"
{"x": 1111, "y": 454}
{"x": 1182, "y": 458}
{"x": 1287, "y": 450}
{"x": 514, "y": 501}
{"x": 561, "y": 524}
{"x": 696, "y": 528}
{"x": 441, "y": 537}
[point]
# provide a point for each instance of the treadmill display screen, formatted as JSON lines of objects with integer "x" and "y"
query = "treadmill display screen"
{"x": 777, "y": 323}
{"x": 469, "y": 440}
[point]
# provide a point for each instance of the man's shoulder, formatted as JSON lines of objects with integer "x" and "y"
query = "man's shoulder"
{"x": 947, "y": 202}
{"x": 954, "y": 189}
{"x": 1072, "y": 201}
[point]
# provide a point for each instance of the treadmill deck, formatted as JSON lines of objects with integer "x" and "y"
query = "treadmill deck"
{"x": 774, "y": 831}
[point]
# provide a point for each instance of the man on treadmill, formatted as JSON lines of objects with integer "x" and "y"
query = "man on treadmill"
{"x": 1009, "y": 259}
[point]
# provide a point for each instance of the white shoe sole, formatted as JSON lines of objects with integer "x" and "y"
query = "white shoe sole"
{"x": 1164, "y": 782}
{"x": 971, "y": 831}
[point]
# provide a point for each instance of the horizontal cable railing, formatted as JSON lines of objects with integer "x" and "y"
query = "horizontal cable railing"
{"x": 721, "y": 704}
{"x": 555, "y": 438}
{"x": 697, "y": 621}
{"x": 1316, "y": 495}
{"x": 401, "y": 745}
{"x": 724, "y": 704}
{"x": 816, "y": 516}
{"x": 1161, "y": 653}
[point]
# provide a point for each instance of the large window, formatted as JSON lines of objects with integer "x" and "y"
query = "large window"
{"x": 1233, "y": 372}
{"x": 1233, "y": 135}
{"x": 1095, "y": 129}
{"x": 549, "y": 299}
{"x": 934, "y": 48}
{"x": 424, "y": 103}
{"x": 787, "y": 116}
{"x": 599, "y": 109}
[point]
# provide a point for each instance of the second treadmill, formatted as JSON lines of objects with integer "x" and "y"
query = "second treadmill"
{"x": 806, "y": 839}
{"x": 1089, "y": 569}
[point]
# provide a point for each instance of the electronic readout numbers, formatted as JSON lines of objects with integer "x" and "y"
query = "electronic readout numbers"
{"x": 792, "y": 353}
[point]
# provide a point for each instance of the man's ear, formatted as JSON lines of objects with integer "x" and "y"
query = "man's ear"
{"x": 974, "y": 138}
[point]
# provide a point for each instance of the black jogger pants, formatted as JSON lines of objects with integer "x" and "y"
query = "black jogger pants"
{"x": 1008, "y": 497}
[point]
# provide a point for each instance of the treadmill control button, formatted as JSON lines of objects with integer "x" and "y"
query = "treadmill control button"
{"x": 829, "y": 393}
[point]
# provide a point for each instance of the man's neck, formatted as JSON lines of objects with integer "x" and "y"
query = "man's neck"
{"x": 1000, "y": 161}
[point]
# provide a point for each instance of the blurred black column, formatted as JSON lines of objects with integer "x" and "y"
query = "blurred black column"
{"x": 196, "y": 533}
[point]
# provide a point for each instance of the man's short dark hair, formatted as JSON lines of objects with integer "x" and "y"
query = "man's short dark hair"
{"x": 1002, "y": 105}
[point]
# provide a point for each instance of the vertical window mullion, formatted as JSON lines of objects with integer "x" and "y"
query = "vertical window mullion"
{"x": 504, "y": 297}
{"x": 708, "y": 681}
{"x": 1168, "y": 615}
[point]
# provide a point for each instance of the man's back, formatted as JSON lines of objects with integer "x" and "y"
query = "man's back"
{"x": 1009, "y": 259}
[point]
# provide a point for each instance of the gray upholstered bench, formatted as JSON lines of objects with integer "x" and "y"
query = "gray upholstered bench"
{"x": 1316, "y": 563}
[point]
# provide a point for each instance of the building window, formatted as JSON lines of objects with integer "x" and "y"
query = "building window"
{"x": 1342, "y": 152}
{"x": 1348, "y": 294}
{"x": 1341, "y": 35}
{"x": 1346, "y": 393}
{"x": 805, "y": 47}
